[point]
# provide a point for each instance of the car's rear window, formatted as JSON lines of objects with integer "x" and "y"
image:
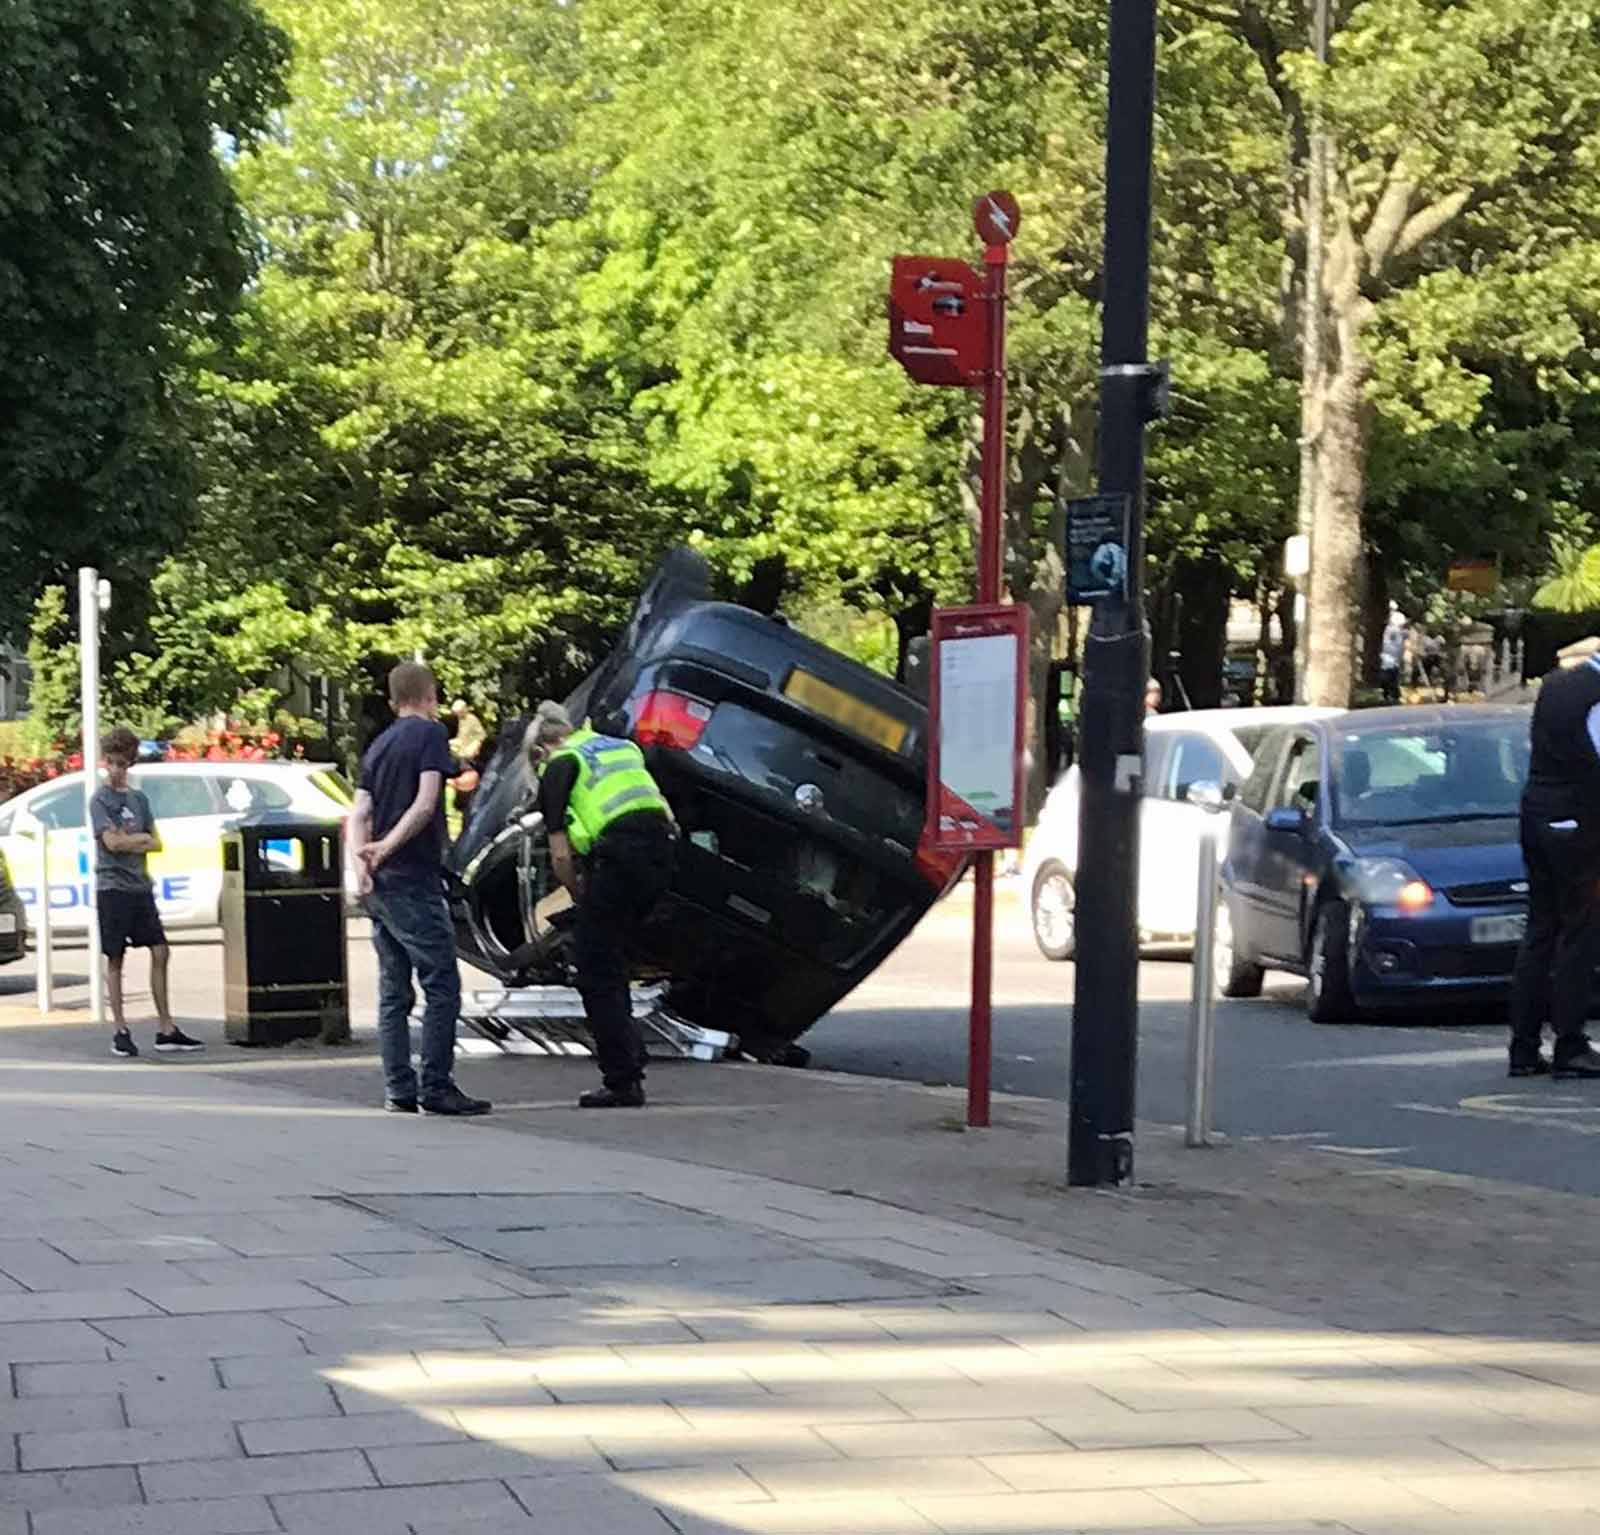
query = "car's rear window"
{"x": 1457, "y": 771}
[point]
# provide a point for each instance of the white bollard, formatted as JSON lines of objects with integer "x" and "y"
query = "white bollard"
{"x": 43, "y": 945}
{"x": 1202, "y": 1031}
{"x": 89, "y": 601}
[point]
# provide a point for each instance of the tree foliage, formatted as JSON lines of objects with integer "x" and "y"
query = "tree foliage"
{"x": 121, "y": 239}
{"x": 546, "y": 287}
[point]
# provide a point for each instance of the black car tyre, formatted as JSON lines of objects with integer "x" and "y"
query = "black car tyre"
{"x": 1237, "y": 975}
{"x": 1328, "y": 995}
{"x": 1055, "y": 911}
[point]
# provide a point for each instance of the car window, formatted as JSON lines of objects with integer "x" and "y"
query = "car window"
{"x": 1455, "y": 771}
{"x": 176, "y": 796}
{"x": 248, "y": 795}
{"x": 1194, "y": 759}
{"x": 1257, "y": 788}
{"x": 5, "y": 823}
{"x": 1298, "y": 785}
{"x": 61, "y": 811}
{"x": 1157, "y": 754}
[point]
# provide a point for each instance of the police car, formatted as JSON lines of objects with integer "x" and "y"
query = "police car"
{"x": 193, "y": 803}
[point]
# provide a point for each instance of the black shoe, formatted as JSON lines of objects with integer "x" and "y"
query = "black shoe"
{"x": 631, "y": 1097}
{"x": 455, "y": 1103}
{"x": 399, "y": 1105}
{"x": 1529, "y": 1066}
{"x": 122, "y": 1044}
{"x": 1583, "y": 1063}
{"x": 177, "y": 1042}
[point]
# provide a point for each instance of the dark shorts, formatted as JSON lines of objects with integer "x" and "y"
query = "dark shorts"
{"x": 129, "y": 920}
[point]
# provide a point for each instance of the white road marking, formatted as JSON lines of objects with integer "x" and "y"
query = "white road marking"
{"x": 1468, "y": 1057}
{"x": 1365, "y": 1151}
{"x": 1553, "y": 1117}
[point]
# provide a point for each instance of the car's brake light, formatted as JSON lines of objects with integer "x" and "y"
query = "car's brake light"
{"x": 670, "y": 719}
{"x": 940, "y": 867}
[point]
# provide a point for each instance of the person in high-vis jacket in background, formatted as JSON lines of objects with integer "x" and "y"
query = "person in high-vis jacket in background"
{"x": 611, "y": 845}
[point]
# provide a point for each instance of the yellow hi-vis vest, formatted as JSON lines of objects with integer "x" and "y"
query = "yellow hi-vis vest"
{"x": 612, "y": 782}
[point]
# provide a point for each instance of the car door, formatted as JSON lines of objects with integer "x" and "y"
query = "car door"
{"x": 1290, "y": 849}
{"x": 1245, "y": 867}
{"x": 56, "y": 814}
{"x": 190, "y": 814}
{"x": 1171, "y": 829}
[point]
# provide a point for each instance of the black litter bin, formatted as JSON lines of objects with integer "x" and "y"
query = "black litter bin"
{"x": 283, "y": 931}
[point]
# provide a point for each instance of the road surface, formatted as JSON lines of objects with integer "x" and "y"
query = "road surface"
{"x": 1427, "y": 1093}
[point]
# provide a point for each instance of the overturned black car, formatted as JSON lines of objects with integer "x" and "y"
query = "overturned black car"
{"x": 797, "y": 779}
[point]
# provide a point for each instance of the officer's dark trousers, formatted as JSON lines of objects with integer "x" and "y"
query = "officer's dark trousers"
{"x": 629, "y": 869}
{"x": 1555, "y": 966}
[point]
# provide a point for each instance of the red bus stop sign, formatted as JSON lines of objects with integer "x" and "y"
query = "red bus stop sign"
{"x": 939, "y": 320}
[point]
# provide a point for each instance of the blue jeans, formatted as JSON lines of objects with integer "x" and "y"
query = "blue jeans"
{"x": 411, "y": 932}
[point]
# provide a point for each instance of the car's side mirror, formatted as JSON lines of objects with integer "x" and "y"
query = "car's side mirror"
{"x": 1206, "y": 794}
{"x": 1286, "y": 818}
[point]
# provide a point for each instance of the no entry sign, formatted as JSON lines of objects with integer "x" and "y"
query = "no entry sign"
{"x": 939, "y": 320}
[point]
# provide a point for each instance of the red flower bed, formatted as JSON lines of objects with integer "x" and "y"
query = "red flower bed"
{"x": 238, "y": 743}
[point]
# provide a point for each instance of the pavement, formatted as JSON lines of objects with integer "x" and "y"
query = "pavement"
{"x": 234, "y": 1297}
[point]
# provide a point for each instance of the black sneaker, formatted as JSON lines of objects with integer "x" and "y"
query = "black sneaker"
{"x": 1583, "y": 1063}
{"x": 177, "y": 1043}
{"x": 631, "y": 1097}
{"x": 455, "y": 1103}
{"x": 122, "y": 1044}
{"x": 399, "y": 1105}
{"x": 1529, "y": 1066}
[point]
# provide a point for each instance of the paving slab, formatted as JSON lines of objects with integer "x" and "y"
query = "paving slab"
{"x": 161, "y": 1405}
{"x": 127, "y": 1446}
{"x": 206, "y": 1516}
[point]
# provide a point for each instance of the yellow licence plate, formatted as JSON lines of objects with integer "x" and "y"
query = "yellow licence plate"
{"x": 834, "y": 704}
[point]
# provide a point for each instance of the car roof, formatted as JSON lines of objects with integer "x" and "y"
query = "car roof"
{"x": 230, "y": 765}
{"x": 1212, "y": 721}
{"x": 1429, "y": 716}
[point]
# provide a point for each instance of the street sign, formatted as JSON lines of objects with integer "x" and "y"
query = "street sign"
{"x": 939, "y": 320}
{"x": 1480, "y": 577}
{"x": 977, "y": 703}
{"x": 997, "y": 217}
{"x": 1097, "y": 547}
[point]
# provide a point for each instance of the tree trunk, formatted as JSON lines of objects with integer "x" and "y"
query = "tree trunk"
{"x": 1202, "y": 630}
{"x": 1336, "y": 587}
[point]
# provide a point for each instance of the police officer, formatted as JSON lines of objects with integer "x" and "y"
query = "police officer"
{"x": 611, "y": 841}
{"x": 1561, "y": 847}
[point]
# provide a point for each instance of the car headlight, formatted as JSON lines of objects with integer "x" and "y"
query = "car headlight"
{"x": 1390, "y": 882}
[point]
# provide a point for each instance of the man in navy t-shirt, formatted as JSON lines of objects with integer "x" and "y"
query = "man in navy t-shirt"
{"x": 397, "y": 837}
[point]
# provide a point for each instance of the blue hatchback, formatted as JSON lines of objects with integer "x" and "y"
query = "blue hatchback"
{"x": 1377, "y": 855}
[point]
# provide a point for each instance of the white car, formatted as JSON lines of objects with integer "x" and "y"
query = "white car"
{"x": 193, "y": 803}
{"x": 1192, "y": 762}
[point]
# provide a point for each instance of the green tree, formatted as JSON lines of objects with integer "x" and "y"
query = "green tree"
{"x": 1460, "y": 220}
{"x": 120, "y": 239}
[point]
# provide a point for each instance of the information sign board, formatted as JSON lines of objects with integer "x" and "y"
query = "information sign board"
{"x": 977, "y": 693}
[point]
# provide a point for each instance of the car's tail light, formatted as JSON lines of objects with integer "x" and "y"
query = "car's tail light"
{"x": 940, "y": 867}
{"x": 670, "y": 719}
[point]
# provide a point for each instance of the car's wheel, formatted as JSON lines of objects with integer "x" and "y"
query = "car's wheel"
{"x": 1328, "y": 995}
{"x": 1237, "y": 975}
{"x": 1055, "y": 911}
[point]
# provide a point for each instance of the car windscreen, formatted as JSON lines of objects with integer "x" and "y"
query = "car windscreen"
{"x": 1460, "y": 771}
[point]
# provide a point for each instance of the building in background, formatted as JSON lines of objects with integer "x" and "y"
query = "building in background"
{"x": 15, "y": 678}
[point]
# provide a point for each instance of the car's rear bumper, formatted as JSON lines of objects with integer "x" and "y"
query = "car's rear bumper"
{"x": 13, "y": 944}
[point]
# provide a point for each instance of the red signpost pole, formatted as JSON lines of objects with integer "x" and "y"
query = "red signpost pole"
{"x": 980, "y": 1030}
